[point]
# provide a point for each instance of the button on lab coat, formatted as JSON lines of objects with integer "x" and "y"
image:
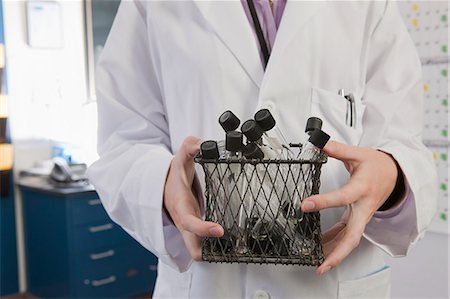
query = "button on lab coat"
{"x": 170, "y": 68}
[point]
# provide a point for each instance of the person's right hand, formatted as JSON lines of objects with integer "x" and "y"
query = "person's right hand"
{"x": 182, "y": 204}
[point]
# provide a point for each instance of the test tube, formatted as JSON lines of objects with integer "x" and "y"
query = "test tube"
{"x": 312, "y": 150}
{"x": 252, "y": 151}
{"x": 228, "y": 121}
{"x": 210, "y": 151}
{"x": 272, "y": 133}
{"x": 312, "y": 124}
{"x": 254, "y": 133}
{"x": 234, "y": 145}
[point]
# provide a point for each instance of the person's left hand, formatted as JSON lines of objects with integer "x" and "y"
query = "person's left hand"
{"x": 373, "y": 178}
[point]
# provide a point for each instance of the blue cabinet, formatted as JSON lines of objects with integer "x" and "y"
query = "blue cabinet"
{"x": 74, "y": 250}
{"x": 9, "y": 278}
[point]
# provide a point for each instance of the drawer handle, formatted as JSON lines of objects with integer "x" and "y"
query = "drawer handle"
{"x": 102, "y": 255}
{"x": 101, "y": 228}
{"x": 102, "y": 282}
{"x": 94, "y": 202}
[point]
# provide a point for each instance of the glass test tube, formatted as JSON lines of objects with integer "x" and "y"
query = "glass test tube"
{"x": 234, "y": 145}
{"x": 273, "y": 134}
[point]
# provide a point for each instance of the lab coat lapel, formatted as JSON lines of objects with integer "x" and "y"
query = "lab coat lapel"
{"x": 295, "y": 16}
{"x": 231, "y": 25}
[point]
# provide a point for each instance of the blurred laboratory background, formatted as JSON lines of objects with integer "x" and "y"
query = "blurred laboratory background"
{"x": 56, "y": 239}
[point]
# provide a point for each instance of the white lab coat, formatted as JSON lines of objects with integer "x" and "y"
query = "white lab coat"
{"x": 170, "y": 68}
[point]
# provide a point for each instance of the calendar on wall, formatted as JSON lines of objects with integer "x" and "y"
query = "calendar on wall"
{"x": 427, "y": 23}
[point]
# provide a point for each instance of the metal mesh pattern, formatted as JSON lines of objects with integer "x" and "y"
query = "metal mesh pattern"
{"x": 258, "y": 205}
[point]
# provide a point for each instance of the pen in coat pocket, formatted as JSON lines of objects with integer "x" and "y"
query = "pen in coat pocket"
{"x": 350, "y": 115}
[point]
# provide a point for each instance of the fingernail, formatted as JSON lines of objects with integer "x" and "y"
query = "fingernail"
{"x": 308, "y": 205}
{"x": 214, "y": 231}
{"x": 325, "y": 270}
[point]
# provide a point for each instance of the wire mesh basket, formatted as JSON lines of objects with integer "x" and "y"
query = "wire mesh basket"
{"x": 257, "y": 202}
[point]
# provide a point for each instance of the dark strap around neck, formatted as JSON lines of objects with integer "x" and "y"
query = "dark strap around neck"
{"x": 259, "y": 32}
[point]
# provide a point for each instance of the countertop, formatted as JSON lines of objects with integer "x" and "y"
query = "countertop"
{"x": 43, "y": 184}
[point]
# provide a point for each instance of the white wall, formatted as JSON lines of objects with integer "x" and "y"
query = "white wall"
{"x": 424, "y": 273}
{"x": 47, "y": 87}
{"x": 47, "y": 94}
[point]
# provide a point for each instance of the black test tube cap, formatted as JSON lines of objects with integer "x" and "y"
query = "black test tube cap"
{"x": 252, "y": 151}
{"x": 312, "y": 124}
{"x": 265, "y": 119}
{"x": 252, "y": 130}
{"x": 209, "y": 150}
{"x": 319, "y": 138}
{"x": 234, "y": 141}
{"x": 229, "y": 121}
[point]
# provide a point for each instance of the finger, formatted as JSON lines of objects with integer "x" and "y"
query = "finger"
{"x": 201, "y": 228}
{"x": 345, "y": 246}
{"x": 342, "y": 151}
{"x": 333, "y": 232}
{"x": 329, "y": 246}
{"x": 349, "y": 193}
{"x": 346, "y": 216}
{"x": 193, "y": 245}
{"x": 190, "y": 147}
{"x": 336, "y": 232}
{"x": 188, "y": 213}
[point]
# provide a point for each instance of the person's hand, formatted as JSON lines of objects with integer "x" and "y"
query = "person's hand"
{"x": 373, "y": 178}
{"x": 181, "y": 202}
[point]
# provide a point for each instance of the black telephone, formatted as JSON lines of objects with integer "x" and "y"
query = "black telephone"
{"x": 62, "y": 173}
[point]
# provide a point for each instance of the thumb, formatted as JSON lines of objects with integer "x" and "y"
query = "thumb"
{"x": 190, "y": 147}
{"x": 341, "y": 151}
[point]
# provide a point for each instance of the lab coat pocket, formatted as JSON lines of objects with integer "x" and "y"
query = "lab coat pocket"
{"x": 375, "y": 285}
{"x": 335, "y": 111}
{"x": 171, "y": 283}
